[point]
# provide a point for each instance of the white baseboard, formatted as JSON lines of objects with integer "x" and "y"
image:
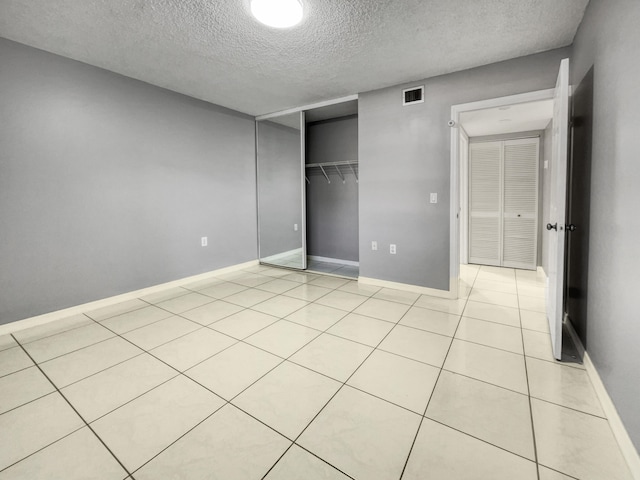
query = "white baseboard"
{"x": 574, "y": 335}
{"x": 627, "y": 447}
{"x": 67, "y": 312}
{"x": 286, "y": 254}
{"x": 333, "y": 260}
{"x": 620, "y": 433}
{"x": 433, "y": 292}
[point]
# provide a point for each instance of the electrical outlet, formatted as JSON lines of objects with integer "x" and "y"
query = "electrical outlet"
{"x": 204, "y": 241}
{"x": 434, "y": 198}
{"x": 374, "y": 245}
{"x": 392, "y": 249}
{"x": 295, "y": 227}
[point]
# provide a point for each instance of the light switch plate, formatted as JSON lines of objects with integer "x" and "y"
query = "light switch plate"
{"x": 433, "y": 198}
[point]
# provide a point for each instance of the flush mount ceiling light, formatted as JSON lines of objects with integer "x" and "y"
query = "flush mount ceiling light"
{"x": 277, "y": 13}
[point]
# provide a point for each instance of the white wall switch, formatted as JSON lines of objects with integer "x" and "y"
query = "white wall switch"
{"x": 433, "y": 198}
{"x": 392, "y": 249}
{"x": 546, "y": 164}
{"x": 204, "y": 241}
{"x": 295, "y": 227}
{"x": 374, "y": 245}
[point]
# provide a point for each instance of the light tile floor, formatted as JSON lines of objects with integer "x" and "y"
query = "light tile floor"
{"x": 268, "y": 373}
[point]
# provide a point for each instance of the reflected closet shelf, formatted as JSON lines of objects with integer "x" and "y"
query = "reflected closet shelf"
{"x": 348, "y": 166}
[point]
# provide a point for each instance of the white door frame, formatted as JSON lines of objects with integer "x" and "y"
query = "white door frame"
{"x": 463, "y": 142}
{"x": 455, "y": 174}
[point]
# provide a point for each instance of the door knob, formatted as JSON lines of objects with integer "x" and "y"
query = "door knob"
{"x": 571, "y": 227}
{"x": 552, "y": 227}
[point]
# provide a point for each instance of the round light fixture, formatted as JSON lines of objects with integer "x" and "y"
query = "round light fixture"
{"x": 277, "y": 13}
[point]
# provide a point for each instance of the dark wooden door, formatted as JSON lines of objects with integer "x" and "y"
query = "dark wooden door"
{"x": 579, "y": 193}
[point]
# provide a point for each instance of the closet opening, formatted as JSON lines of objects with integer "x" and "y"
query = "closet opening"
{"x": 331, "y": 177}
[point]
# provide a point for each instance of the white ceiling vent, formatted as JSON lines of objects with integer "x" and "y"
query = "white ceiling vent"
{"x": 413, "y": 95}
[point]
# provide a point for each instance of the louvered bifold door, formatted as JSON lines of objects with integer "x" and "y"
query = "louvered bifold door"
{"x": 485, "y": 179}
{"x": 520, "y": 217}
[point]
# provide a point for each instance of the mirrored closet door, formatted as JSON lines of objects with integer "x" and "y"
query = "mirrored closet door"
{"x": 281, "y": 193}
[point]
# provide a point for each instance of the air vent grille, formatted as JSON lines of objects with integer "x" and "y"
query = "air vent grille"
{"x": 413, "y": 95}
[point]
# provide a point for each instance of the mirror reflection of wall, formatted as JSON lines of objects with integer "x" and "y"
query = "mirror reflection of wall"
{"x": 280, "y": 150}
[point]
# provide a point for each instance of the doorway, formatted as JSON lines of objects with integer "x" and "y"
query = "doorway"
{"x": 556, "y": 232}
{"x": 503, "y": 158}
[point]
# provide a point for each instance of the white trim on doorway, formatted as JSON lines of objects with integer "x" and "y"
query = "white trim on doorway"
{"x": 464, "y": 196}
{"x": 456, "y": 111}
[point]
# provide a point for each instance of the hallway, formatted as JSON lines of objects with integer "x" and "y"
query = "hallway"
{"x": 265, "y": 373}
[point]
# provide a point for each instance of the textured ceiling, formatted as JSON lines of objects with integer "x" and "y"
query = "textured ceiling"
{"x": 214, "y": 50}
{"x": 523, "y": 117}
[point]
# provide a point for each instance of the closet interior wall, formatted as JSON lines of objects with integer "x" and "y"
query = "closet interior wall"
{"x": 332, "y": 200}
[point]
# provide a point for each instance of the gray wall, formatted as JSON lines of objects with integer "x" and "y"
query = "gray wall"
{"x": 332, "y": 208}
{"x": 107, "y": 184}
{"x": 609, "y": 39}
{"x": 404, "y": 154}
{"x": 545, "y": 175}
{"x": 279, "y": 188}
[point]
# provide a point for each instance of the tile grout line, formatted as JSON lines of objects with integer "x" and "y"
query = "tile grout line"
{"x": 56, "y": 333}
{"x": 343, "y": 384}
{"x": 45, "y": 447}
{"x": 480, "y": 439}
{"x": 238, "y": 394}
{"x": 287, "y": 359}
{"x": 76, "y": 412}
{"x": 374, "y": 348}
{"x": 526, "y": 372}
{"x": 435, "y": 385}
{"x": 198, "y": 383}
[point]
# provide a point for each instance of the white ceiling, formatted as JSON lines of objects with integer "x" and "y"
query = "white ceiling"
{"x": 523, "y": 117}
{"x": 214, "y": 50}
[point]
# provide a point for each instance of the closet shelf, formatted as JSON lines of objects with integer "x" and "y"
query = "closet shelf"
{"x": 331, "y": 164}
{"x": 351, "y": 164}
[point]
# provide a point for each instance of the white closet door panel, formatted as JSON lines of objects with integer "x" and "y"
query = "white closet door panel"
{"x": 485, "y": 179}
{"x": 484, "y": 245}
{"x": 520, "y": 225}
{"x": 521, "y": 176}
{"x": 519, "y": 243}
